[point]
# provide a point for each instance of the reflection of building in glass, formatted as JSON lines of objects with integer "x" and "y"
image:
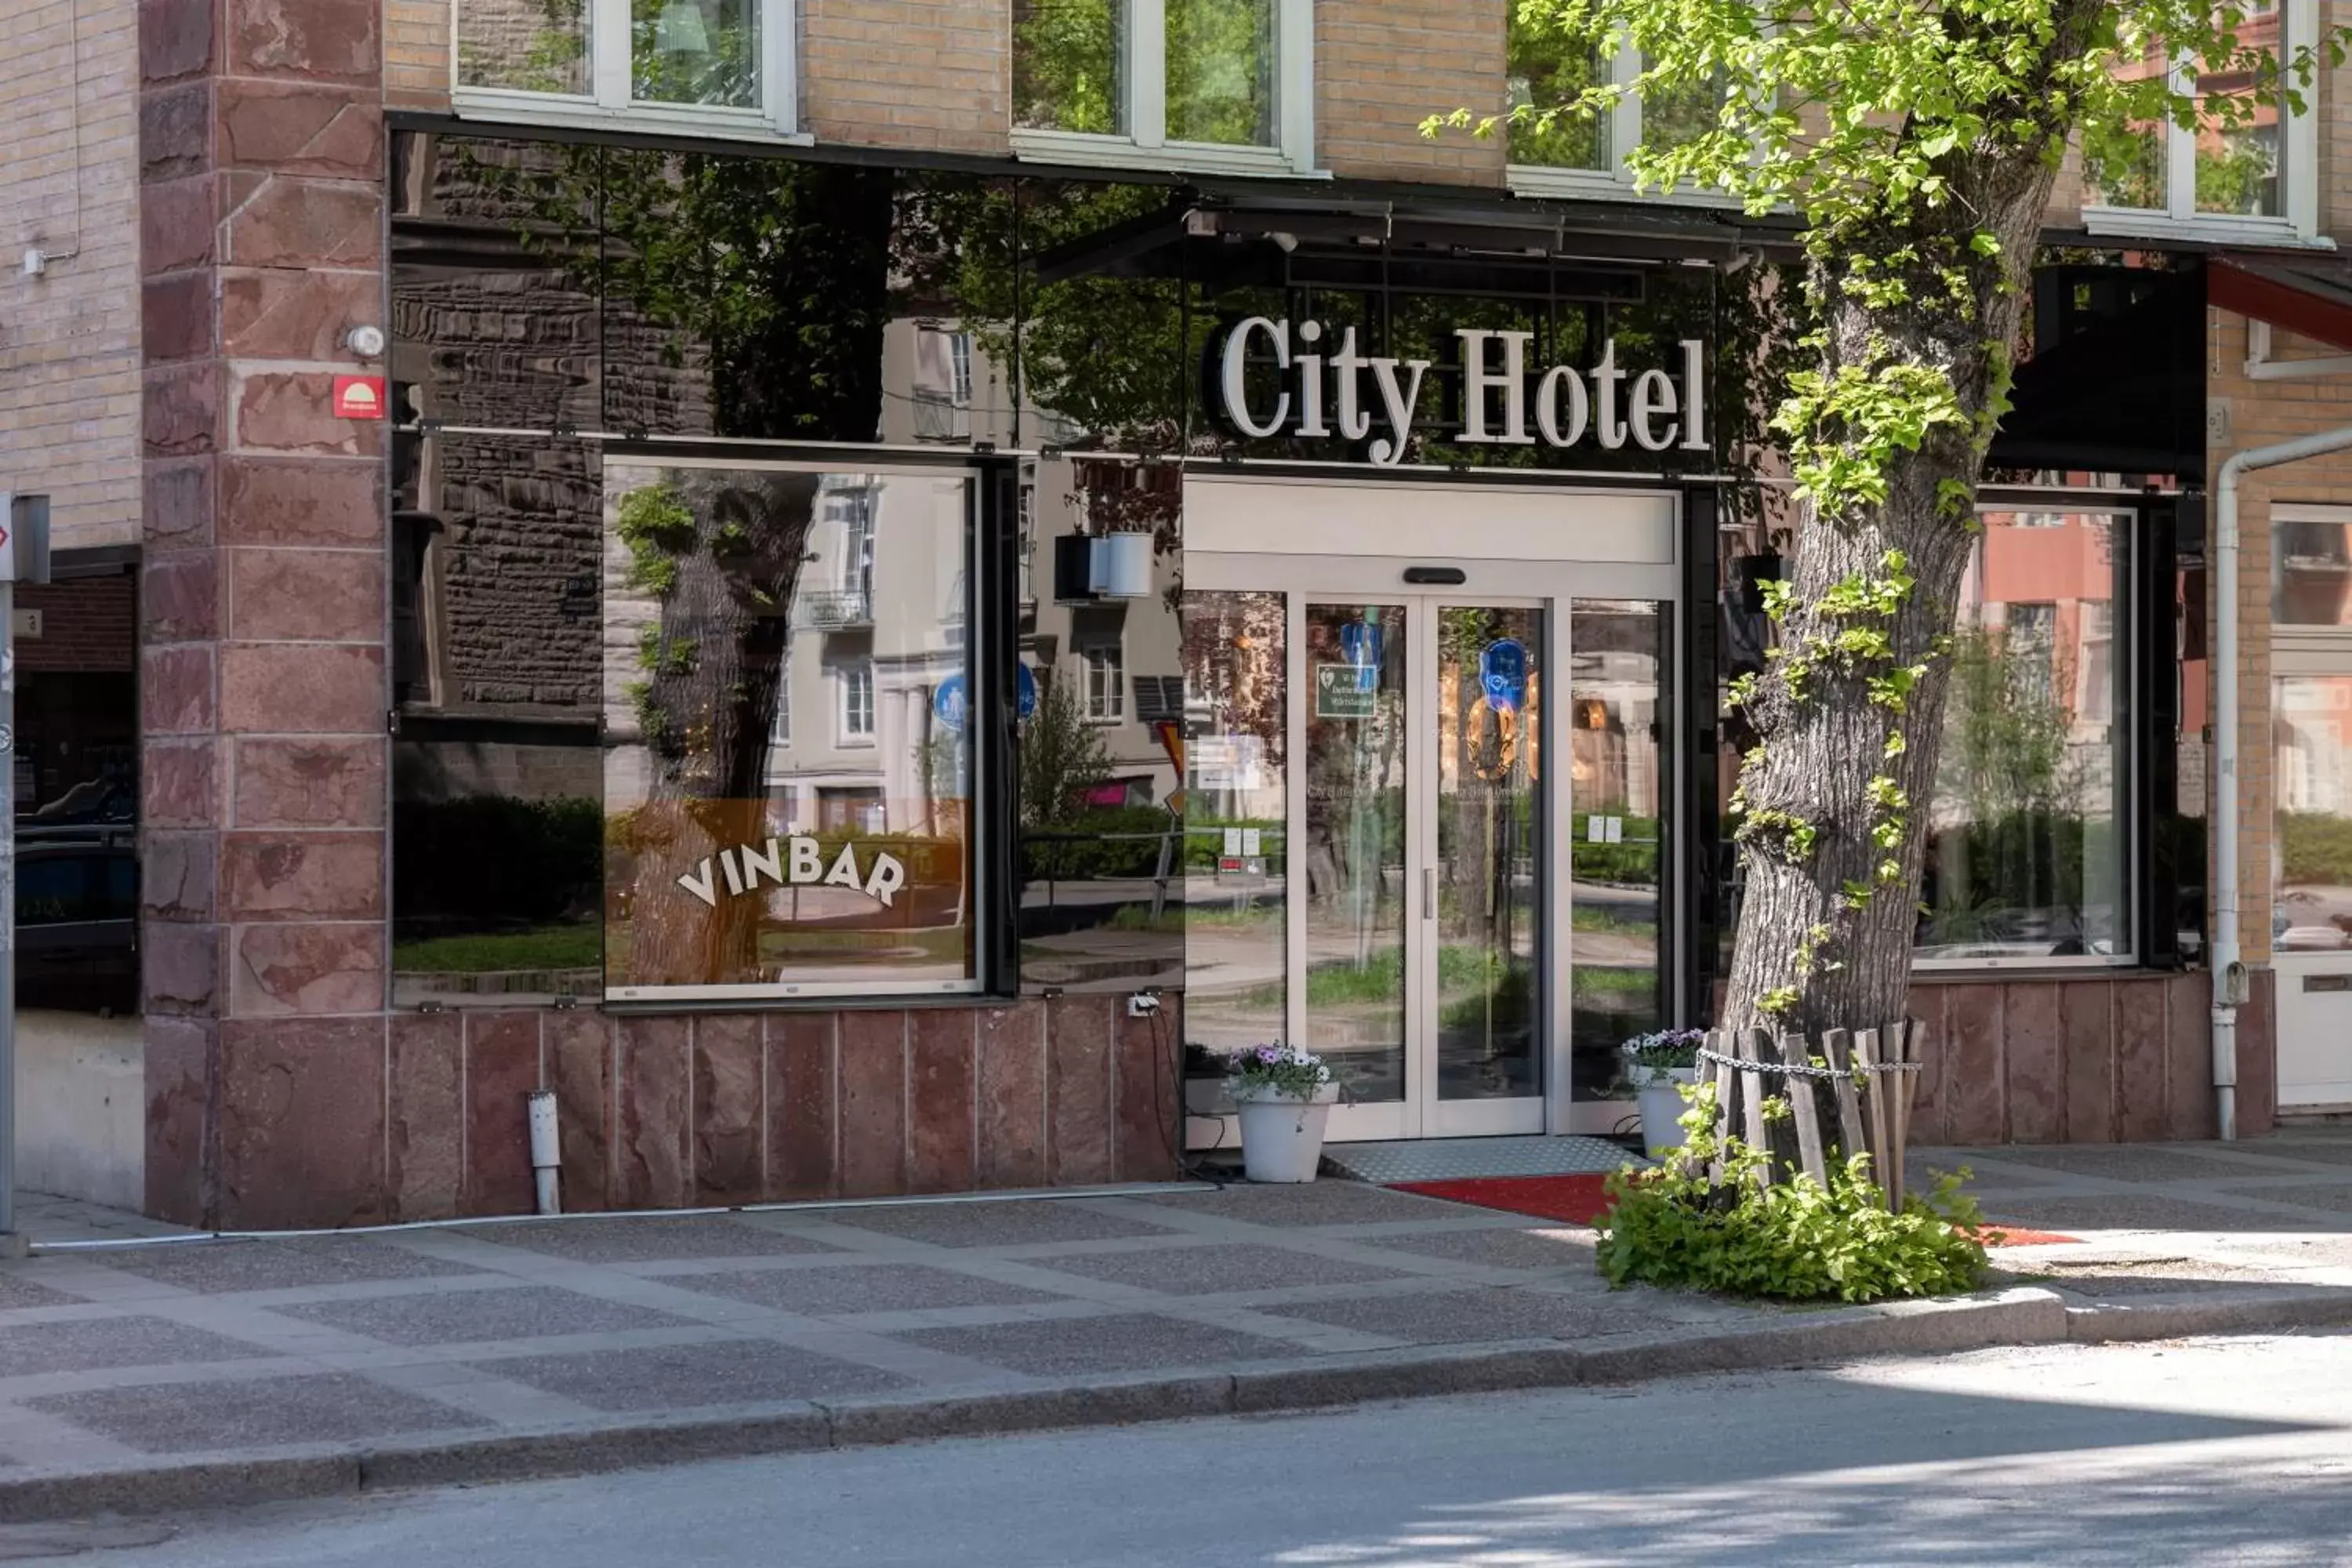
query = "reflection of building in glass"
{"x": 2026, "y": 844}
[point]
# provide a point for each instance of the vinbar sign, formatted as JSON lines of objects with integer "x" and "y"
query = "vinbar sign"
{"x": 795, "y": 862}
{"x": 1322, "y": 393}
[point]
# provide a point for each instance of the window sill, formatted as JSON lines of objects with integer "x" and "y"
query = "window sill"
{"x": 1175, "y": 157}
{"x": 1592, "y": 184}
{"x": 504, "y": 106}
{"x": 1950, "y": 971}
{"x": 2218, "y": 228}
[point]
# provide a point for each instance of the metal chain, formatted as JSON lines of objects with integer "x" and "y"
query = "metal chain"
{"x": 1788, "y": 1069}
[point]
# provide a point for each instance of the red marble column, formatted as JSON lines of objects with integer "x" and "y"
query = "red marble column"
{"x": 263, "y": 635}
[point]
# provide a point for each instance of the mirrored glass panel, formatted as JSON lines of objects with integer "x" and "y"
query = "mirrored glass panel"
{"x": 1491, "y": 930}
{"x": 1069, "y": 66}
{"x": 788, "y": 725}
{"x": 1617, "y": 832}
{"x": 2029, "y": 836}
{"x": 525, "y": 45}
{"x": 2311, "y": 579}
{"x": 1352, "y": 854}
{"x": 702, "y": 52}
{"x": 1220, "y": 71}
{"x": 1236, "y": 844}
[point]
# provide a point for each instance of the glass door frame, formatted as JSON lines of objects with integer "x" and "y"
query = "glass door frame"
{"x": 1389, "y": 521}
{"x": 1421, "y": 1113}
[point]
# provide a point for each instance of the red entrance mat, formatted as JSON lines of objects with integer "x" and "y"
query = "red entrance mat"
{"x": 1577, "y": 1199}
{"x": 1997, "y": 1235}
{"x": 1580, "y": 1200}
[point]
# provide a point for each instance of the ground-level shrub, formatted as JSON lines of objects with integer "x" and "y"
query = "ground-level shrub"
{"x": 1795, "y": 1240}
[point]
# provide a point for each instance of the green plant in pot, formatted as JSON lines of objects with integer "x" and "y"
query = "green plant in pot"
{"x": 1659, "y": 1064}
{"x": 1284, "y": 1095}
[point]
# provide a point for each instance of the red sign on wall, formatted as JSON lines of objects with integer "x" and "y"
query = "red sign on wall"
{"x": 359, "y": 397}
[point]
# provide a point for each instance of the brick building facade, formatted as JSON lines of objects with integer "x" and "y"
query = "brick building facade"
{"x": 223, "y": 196}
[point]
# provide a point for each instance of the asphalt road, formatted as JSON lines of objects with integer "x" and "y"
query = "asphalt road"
{"x": 2207, "y": 1451}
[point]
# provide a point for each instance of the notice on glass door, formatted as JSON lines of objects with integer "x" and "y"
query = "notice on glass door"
{"x": 1346, "y": 692}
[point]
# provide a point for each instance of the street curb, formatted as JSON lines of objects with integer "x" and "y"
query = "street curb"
{"x": 2181, "y": 1316}
{"x": 2024, "y": 1315}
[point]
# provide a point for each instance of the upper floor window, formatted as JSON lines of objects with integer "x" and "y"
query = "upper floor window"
{"x": 1106, "y": 684}
{"x": 2242, "y": 167}
{"x": 722, "y": 66}
{"x": 1217, "y": 85}
{"x": 1586, "y": 154}
{"x": 858, "y": 700}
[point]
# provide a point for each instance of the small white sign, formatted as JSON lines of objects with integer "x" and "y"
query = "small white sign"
{"x": 1233, "y": 842}
{"x": 1596, "y": 829}
{"x": 1616, "y": 830}
{"x": 1251, "y": 840}
{"x": 27, "y": 623}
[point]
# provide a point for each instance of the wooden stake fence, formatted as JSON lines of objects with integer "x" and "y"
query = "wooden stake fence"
{"x": 1870, "y": 1075}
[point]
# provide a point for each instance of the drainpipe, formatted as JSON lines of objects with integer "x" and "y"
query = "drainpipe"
{"x": 2229, "y": 967}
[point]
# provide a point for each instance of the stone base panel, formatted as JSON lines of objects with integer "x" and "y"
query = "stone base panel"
{"x": 417, "y": 1116}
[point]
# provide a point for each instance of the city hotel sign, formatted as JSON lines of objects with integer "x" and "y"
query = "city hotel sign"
{"x": 1323, "y": 394}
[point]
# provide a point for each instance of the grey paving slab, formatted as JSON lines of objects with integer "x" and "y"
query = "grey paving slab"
{"x": 213, "y": 1267}
{"x": 2313, "y": 1151}
{"x": 863, "y": 1288}
{"x": 2336, "y": 1198}
{"x": 88, "y": 1343}
{"x": 1309, "y": 1204}
{"x": 2123, "y": 1163}
{"x": 2134, "y": 1211}
{"x": 1559, "y": 1248}
{"x": 18, "y": 1288}
{"x": 1466, "y": 1317}
{"x": 332, "y": 1407}
{"x": 654, "y": 1238}
{"x": 462, "y": 1317}
{"x": 684, "y": 1377}
{"x": 997, "y": 1224}
{"x": 1119, "y": 1343}
{"x": 1216, "y": 1270}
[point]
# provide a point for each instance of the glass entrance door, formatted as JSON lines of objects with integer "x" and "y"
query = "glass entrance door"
{"x": 1422, "y": 929}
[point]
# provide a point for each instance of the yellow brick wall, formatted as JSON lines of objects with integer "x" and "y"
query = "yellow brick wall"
{"x": 933, "y": 74}
{"x": 2258, "y": 414}
{"x": 1383, "y": 65}
{"x": 70, "y": 340}
{"x": 416, "y": 54}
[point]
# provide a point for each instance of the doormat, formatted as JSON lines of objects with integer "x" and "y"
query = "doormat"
{"x": 1460, "y": 1158}
{"x": 1993, "y": 1233}
{"x": 1573, "y": 1199}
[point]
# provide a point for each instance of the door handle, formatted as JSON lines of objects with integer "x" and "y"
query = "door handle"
{"x": 1429, "y": 893}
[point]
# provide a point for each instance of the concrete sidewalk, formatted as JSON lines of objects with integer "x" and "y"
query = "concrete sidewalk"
{"x": 211, "y": 1372}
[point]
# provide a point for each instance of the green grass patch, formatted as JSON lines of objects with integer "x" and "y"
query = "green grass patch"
{"x": 548, "y": 947}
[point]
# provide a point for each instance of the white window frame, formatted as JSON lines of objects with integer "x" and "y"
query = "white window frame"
{"x": 1623, "y": 134}
{"x": 1105, "y": 668}
{"x": 845, "y": 679}
{"x": 607, "y": 101}
{"x": 780, "y": 734}
{"x": 2298, "y": 146}
{"x": 1146, "y": 146}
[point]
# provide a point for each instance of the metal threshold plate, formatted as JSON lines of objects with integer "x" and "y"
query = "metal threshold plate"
{"x": 1453, "y": 1159}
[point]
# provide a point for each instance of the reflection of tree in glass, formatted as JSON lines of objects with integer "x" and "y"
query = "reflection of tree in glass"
{"x": 2236, "y": 173}
{"x": 721, "y": 552}
{"x": 1062, "y": 758}
{"x": 2008, "y": 827}
{"x": 1066, "y": 73}
{"x": 553, "y": 53}
{"x": 1550, "y": 63}
{"x": 680, "y": 52}
{"x": 1220, "y": 71}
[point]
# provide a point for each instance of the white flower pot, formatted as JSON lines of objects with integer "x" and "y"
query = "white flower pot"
{"x": 1282, "y": 1135}
{"x": 1662, "y": 1104}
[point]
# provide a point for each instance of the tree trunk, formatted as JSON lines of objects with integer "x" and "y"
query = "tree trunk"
{"x": 1833, "y": 858}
